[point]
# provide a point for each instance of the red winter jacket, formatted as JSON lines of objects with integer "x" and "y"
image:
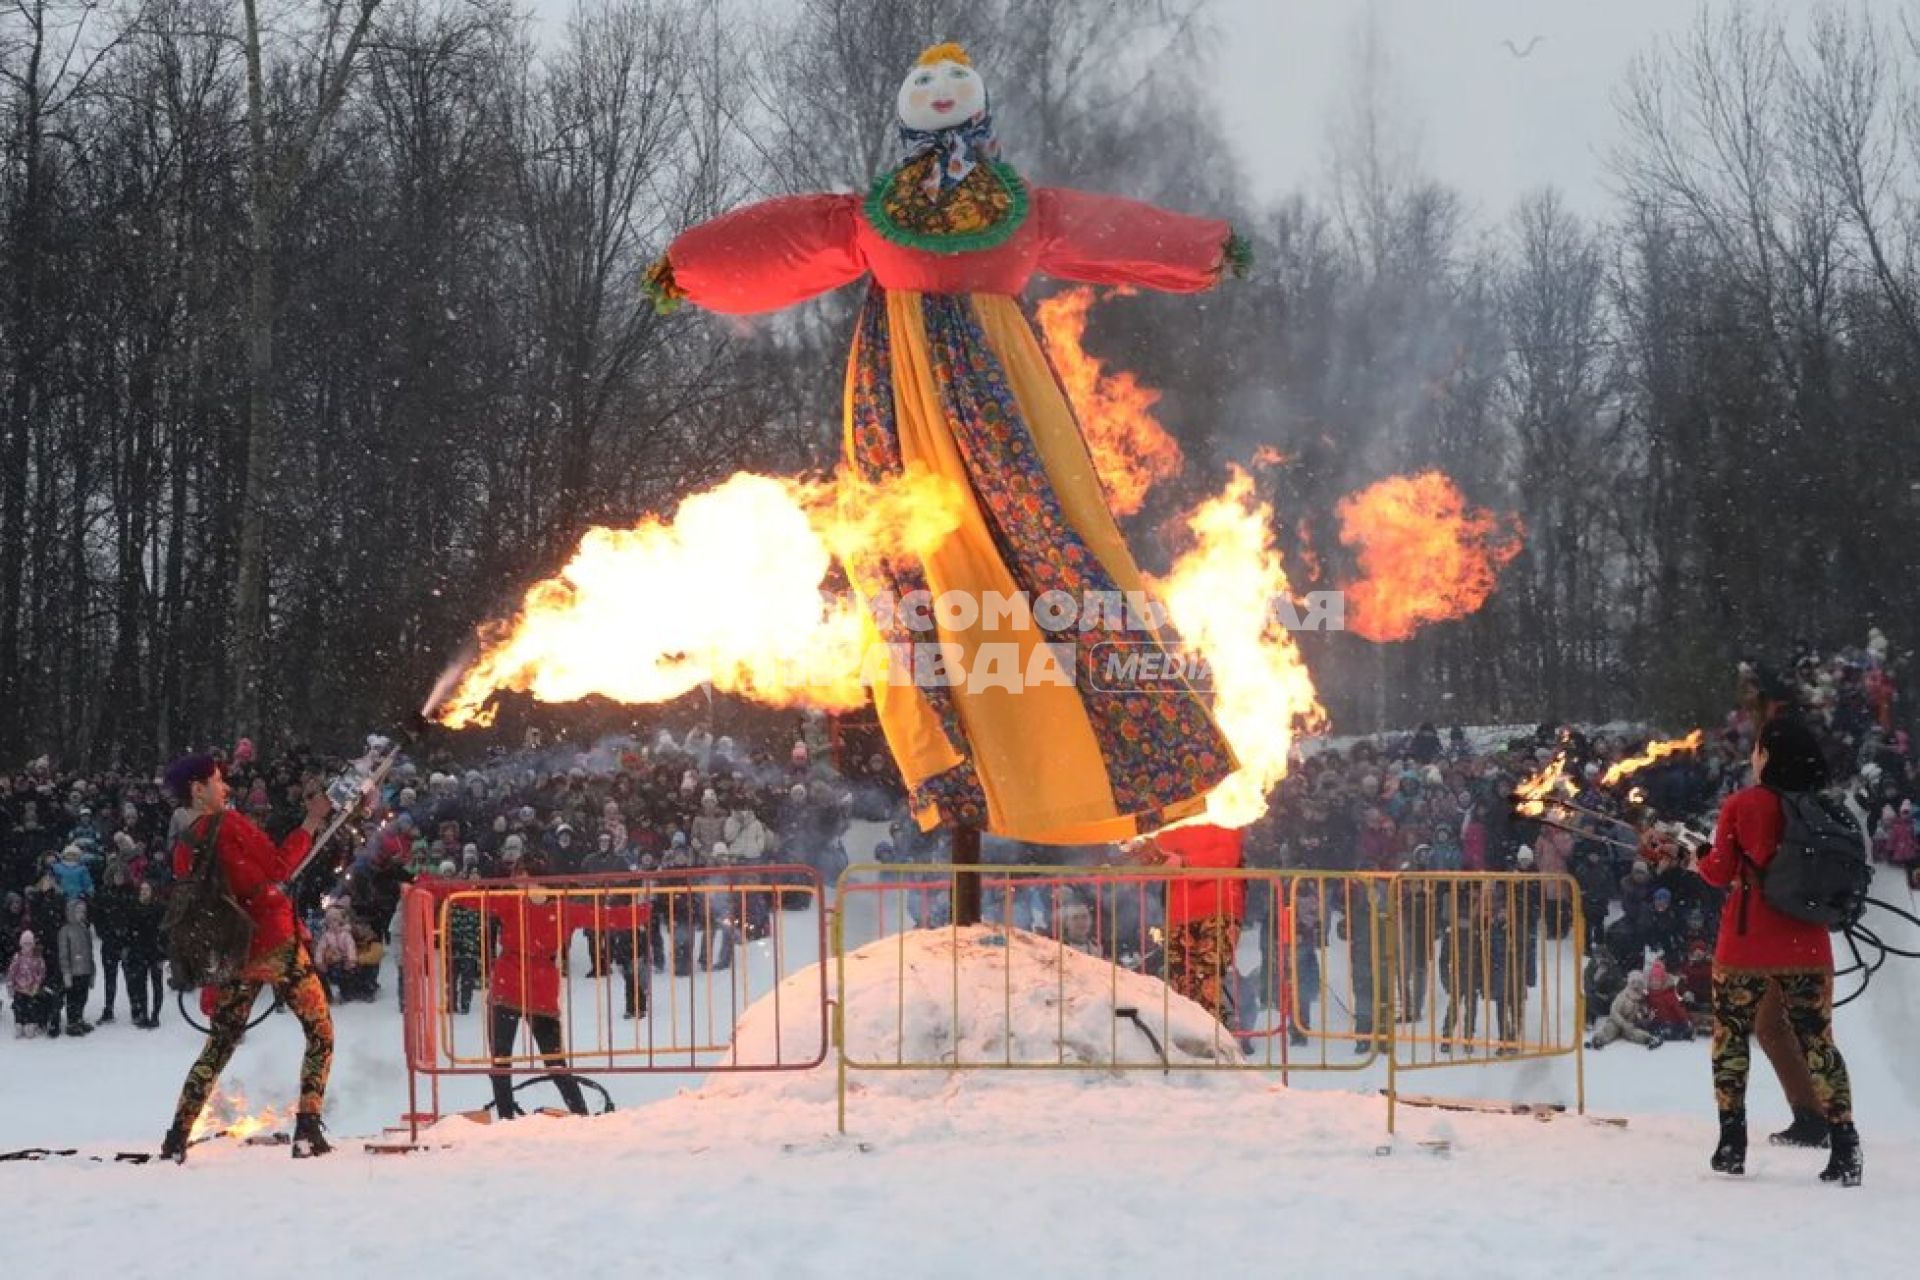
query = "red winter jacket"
{"x": 254, "y": 870}
{"x": 526, "y": 973}
{"x": 1664, "y": 1008}
{"x": 1750, "y": 824}
{"x": 1191, "y": 898}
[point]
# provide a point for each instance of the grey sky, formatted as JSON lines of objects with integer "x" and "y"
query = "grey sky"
{"x": 1493, "y": 125}
{"x": 1482, "y": 120}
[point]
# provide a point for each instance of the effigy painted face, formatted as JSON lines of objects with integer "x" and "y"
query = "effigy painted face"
{"x": 941, "y": 95}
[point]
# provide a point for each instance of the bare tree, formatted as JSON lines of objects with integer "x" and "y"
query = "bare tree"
{"x": 1846, "y": 123}
{"x": 1571, "y": 456}
{"x": 277, "y": 161}
{"x": 50, "y": 51}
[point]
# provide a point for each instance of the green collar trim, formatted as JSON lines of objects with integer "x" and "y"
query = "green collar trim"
{"x": 964, "y": 242}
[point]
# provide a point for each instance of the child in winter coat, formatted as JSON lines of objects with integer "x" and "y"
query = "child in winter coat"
{"x": 1604, "y": 980}
{"x": 1636, "y": 892}
{"x": 76, "y": 965}
{"x": 144, "y": 955}
{"x": 365, "y": 976}
{"x": 1883, "y": 834}
{"x": 336, "y": 955}
{"x": 464, "y": 935}
{"x": 1696, "y": 984}
{"x": 1626, "y": 1019}
{"x": 71, "y": 874}
{"x": 1667, "y": 1017}
{"x": 1903, "y": 845}
{"x": 27, "y": 981}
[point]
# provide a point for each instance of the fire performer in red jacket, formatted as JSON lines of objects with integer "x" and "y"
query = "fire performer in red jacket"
{"x": 254, "y": 868}
{"x": 534, "y": 925}
{"x": 1761, "y": 948}
{"x": 1203, "y": 915}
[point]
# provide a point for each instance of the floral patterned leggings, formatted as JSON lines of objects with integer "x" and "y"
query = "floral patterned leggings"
{"x": 1199, "y": 960}
{"x": 1805, "y": 994}
{"x": 290, "y": 972}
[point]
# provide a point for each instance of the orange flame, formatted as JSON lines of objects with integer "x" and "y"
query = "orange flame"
{"x": 1655, "y": 751}
{"x": 1269, "y": 456}
{"x": 1532, "y": 796}
{"x": 1219, "y": 592}
{"x": 1309, "y": 561}
{"x": 1131, "y": 451}
{"x": 229, "y": 1115}
{"x": 1219, "y": 595}
{"x": 635, "y": 616}
{"x": 1426, "y": 556}
{"x": 625, "y": 618}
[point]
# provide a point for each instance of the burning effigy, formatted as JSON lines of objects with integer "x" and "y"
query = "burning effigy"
{"x": 947, "y": 378}
{"x": 1030, "y": 679}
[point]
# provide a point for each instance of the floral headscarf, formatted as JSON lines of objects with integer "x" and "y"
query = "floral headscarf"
{"x": 960, "y": 148}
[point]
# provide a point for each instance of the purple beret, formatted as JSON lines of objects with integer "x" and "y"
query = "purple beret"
{"x": 187, "y": 770}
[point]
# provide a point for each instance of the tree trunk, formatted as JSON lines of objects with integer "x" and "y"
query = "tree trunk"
{"x": 22, "y": 405}
{"x": 250, "y": 592}
{"x": 252, "y": 618}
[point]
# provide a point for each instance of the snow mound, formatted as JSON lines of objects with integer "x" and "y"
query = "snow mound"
{"x": 985, "y": 995}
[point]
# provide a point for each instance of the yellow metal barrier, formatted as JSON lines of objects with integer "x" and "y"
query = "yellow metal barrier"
{"x": 1325, "y": 988}
{"x": 1486, "y": 966}
{"x": 1311, "y": 971}
{"x": 1061, "y": 916}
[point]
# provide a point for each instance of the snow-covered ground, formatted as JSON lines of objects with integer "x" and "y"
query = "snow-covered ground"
{"x": 971, "y": 1175}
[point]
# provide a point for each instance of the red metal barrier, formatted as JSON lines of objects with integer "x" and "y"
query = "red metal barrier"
{"x": 720, "y": 937}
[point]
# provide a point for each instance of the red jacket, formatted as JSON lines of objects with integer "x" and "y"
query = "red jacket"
{"x": 254, "y": 870}
{"x": 1664, "y": 1007}
{"x": 1191, "y": 898}
{"x": 526, "y": 973}
{"x": 1750, "y": 824}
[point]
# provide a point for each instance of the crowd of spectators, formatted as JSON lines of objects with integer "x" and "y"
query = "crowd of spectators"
{"x": 86, "y": 867}
{"x": 85, "y": 863}
{"x": 1444, "y": 801}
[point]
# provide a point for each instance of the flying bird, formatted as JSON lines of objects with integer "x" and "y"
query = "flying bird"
{"x": 1518, "y": 52}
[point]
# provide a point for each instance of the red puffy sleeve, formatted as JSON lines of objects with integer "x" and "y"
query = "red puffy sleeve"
{"x": 1111, "y": 240}
{"x": 247, "y": 852}
{"x": 768, "y": 255}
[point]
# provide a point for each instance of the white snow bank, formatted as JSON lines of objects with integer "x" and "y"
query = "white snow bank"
{"x": 1000, "y": 1174}
{"x": 980, "y": 996}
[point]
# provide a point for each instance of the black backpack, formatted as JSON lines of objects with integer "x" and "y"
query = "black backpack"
{"x": 208, "y": 933}
{"x": 1820, "y": 872}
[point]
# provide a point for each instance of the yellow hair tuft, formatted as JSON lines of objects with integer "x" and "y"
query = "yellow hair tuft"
{"x": 948, "y": 52}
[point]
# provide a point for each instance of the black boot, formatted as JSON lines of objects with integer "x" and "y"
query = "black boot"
{"x": 309, "y": 1139}
{"x": 1809, "y": 1129}
{"x": 1731, "y": 1155}
{"x": 174, "y": 1146}
{"x": 1843, "y": 1166}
